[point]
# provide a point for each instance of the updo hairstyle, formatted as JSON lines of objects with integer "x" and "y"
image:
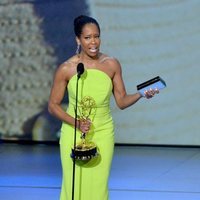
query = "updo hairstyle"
{"x": 81, "y": 21}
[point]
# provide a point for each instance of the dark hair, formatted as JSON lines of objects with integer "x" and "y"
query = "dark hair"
{"x": 81, "y": 21}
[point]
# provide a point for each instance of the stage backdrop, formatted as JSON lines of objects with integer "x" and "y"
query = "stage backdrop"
{"x": 149, "y": 38}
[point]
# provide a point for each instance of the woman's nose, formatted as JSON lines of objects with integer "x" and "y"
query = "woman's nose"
{"x": 93, "y": 40}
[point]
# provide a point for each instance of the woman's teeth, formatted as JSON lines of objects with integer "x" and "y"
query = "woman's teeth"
{"x": 93, "y": 50}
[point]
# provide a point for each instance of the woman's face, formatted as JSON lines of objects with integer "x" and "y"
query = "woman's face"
{"x": 90, "y": 40}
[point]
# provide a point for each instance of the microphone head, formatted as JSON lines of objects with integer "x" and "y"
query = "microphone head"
{"x": 80, "y": 69}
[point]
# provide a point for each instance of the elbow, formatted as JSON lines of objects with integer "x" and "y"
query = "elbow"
{"x": 121, "y": 106}
{"x": 50, "y": 108}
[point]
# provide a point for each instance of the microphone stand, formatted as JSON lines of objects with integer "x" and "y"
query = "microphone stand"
{"x": 76, "y": 105}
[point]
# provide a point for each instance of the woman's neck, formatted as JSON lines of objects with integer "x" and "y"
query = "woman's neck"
{"x": 90, "y": 62}
{"x": 88, "y": 59}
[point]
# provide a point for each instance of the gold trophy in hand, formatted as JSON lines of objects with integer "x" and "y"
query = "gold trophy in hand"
{"x": 85, "y": 150}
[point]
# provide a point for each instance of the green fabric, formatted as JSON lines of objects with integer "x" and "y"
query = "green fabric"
{"x": 91, "y": 178}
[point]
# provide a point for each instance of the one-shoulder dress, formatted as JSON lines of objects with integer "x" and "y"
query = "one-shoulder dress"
{"x": 91, "y": 177}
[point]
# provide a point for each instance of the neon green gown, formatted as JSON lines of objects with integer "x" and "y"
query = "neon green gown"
{"x": 91, "y": 178}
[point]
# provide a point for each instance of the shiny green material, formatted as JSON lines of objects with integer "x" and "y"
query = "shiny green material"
{"x": 91, "y": 177}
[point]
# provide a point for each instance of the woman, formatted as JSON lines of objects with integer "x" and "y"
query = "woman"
{"x": 101, "y": 78}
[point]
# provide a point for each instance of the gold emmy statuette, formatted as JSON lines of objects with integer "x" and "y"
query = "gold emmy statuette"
{"x": 85, "y": 150}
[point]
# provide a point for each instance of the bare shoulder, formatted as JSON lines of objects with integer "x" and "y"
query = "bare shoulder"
{"x": 67, "y": 69}
{"x": 112, "y": 62}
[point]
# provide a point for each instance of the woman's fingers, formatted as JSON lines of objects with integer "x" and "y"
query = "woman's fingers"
{"x": 151, "y": 92}
{"x": 84, "y": 125}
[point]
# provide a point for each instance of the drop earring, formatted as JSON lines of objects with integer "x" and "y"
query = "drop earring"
{"x": 78, "y": 49}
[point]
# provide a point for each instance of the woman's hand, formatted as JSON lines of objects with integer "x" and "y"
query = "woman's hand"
{"x": 84, "y": 125}
{"x": 150, "y": 93}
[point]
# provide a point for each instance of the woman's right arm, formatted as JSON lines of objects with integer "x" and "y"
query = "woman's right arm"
{"x": 57, "y": 93}
{"x": 58, "y": 89}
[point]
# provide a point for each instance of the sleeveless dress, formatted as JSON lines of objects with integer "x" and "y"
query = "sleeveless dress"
{"x": 91, "y": 177}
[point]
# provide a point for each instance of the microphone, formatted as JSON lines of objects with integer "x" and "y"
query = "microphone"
{"x": 80, "y": 69}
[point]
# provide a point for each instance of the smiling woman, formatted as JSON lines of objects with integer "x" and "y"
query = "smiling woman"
{"x": 101, "y": 78}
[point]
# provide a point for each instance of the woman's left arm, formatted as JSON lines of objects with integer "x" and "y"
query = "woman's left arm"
{"x": 123, "y": 99}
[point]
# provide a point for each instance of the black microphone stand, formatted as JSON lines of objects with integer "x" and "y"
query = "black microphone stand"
{"x": 73, "y": 156}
